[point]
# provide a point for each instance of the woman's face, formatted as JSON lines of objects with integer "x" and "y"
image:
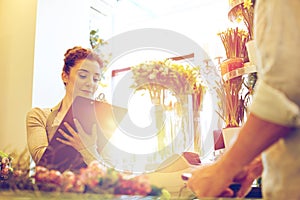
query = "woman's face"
{"x": 83, "y": 79}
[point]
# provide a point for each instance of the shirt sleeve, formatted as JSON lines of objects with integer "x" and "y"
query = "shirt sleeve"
{"x": 272, "y": 105}
{"x": 36, "y": 132}
{"x": 277, "y": 93}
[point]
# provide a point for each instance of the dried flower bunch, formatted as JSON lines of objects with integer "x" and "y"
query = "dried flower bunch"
{"x": 234, "y": 42}
{"x": 230, "y": 92}
{"x": 233, "y": 97}
{"x": 231, "y": 102}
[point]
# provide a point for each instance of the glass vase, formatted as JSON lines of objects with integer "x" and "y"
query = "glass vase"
{"x": 185, "y": 140}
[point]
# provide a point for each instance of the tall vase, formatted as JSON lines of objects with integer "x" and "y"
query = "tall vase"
{"x": 157, "y": 96}
{"x": 184, "y": 140}
{"x": 175, "y": 125}
{"x": 197, "y": 98}
{"x": 163, "y": 150}
{"x": 197, "y": 132}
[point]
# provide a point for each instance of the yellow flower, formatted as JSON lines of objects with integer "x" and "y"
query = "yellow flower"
{"x": 248, "y": 4}
{"x": 167, "y": 75}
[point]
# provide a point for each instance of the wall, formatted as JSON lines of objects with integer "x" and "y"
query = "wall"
{"x": 61, "y": 24}
{"x": 17, "y": 25}
{"x": 34, "y": 37}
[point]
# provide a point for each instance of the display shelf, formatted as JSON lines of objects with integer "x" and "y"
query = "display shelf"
{"x": 247, "y": 69}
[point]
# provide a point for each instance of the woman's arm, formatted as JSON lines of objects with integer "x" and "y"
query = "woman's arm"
{"x": 36, "y": 132}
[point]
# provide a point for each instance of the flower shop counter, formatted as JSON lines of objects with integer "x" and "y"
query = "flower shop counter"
{"x": 37, "y": 195}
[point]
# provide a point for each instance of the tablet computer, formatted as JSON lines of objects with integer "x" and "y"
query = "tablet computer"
{"x": 88, "y": 112}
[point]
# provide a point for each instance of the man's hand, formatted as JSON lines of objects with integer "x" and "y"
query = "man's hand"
{"x": 210, "y": 181}
{"x": 248, "y": 175}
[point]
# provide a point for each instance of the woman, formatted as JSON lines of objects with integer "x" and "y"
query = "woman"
{"x": 81, "y": 75}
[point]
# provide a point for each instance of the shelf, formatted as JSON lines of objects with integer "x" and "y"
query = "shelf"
{"x": 247, "y": 69}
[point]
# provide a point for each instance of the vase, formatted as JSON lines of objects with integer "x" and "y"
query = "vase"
{"x": 183, "y": 130}
{"x": 230, "y": 68}
{"x": 230, "y": 135}
{"x": 197, "y": 132}
{"x": 197, "y": 98}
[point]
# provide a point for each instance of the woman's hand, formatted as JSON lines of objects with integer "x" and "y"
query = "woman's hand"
{"x": 79, "y": 140}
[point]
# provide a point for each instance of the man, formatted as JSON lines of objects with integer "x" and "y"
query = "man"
{"x": 272, "y": 129}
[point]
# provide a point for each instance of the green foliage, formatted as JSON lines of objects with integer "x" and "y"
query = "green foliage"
{"x": 95, "y": 40}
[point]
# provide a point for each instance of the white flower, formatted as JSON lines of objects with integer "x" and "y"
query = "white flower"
{"x": 152, "y": 76}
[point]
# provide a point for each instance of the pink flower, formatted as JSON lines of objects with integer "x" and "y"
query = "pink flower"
{"x": 138, "y": 185}
{"x": 92, "y": 175}
{"x": 5, "y": 161}
{"x": 55, "y": 177}
{"x": 41, "y": 174}
{"x": 18, "y": 173}
{"x": 68, "y": 181}
{"x": 78, "y": 186}
{"x": 5, "y": 171}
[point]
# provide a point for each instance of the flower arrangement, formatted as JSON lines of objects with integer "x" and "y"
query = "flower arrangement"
{"x": 5, "y": 167}
{"x": 180, "y": 79}
{"x": 231, "y": 93}
{"x": 175, "y": 79}
{"x": 230, "y": 89}
{"x": 95, "y": 178}
{"x": 243, "y": 10}
{"x": 14, "y": 171}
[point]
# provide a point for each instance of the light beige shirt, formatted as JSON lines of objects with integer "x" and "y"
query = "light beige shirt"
{"x": 277, "y": 94}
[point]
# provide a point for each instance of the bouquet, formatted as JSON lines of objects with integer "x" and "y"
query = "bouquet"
{"x": 95, "y": 178}
{"x": 180, "y": 79}
{"x": 5, "y": 168}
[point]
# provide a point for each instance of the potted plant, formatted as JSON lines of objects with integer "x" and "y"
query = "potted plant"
{"x": 231, "y": 106}
{"x": 231, "y": 91}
